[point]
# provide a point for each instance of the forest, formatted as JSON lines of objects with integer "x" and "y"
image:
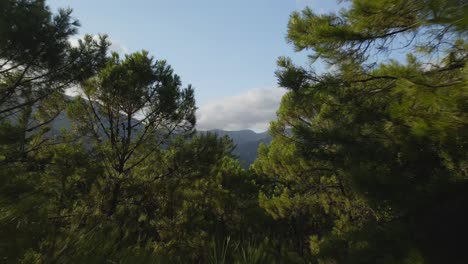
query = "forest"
{"x": 368, "y": 161}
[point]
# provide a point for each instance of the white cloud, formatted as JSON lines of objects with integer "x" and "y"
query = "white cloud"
{"x": 253, "y": 109}
{"x": 115, "y": 45}
{"x": 74, "y": 41}
{"x": 118, "y": 47}
{"x": 74, "y": 91}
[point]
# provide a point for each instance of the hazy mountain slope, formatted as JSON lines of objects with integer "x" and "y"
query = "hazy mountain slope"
{"x": 247, "y": 142}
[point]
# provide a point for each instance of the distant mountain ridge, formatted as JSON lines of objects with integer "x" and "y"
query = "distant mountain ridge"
{"x": 247, "y": 143}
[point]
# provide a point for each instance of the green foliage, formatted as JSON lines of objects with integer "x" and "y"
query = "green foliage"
{"x": 218, "y": 253}
{"x": 373, "y": 156}
{"x": 372, "y": 26}
{"x": 36, "y": 58}
{"x": 368, "y": 162}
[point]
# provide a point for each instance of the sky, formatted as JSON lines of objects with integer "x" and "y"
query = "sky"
{"x": 226, "y": 49}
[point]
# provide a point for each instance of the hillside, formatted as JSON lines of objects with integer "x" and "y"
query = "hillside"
{"x": 247, "y": 142}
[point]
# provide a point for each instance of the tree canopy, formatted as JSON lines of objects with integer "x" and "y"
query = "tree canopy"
{"x": 390, "y": 135}
{"x": 368, "y": 162}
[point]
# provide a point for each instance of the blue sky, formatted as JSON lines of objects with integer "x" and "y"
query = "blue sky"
{"x": 226, "y": 49}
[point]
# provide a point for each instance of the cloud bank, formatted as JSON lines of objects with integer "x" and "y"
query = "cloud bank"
{"x": 253, "y": 109}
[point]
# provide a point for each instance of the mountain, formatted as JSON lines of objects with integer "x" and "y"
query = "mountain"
{"x": 247, "y": 143}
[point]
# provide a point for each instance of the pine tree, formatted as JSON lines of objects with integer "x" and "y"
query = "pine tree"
{"x": 130, "y": 110}
{"x": 37, "y": 64}
{"x": 391, "y": 135}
